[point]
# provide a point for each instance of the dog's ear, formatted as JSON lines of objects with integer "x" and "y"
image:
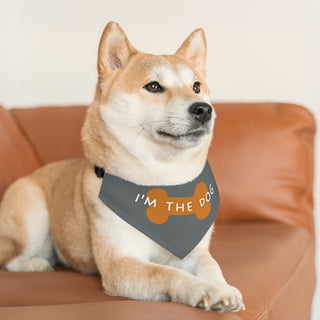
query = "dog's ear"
{"x": 194, "y": 50}
{"x": 114, "y": 50}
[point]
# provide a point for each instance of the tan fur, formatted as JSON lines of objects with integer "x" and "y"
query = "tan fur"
{"x": 12, "y": 218}
{"x": 119, "y": 136}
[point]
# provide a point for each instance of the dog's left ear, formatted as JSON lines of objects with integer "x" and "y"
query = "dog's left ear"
{"x": 194, "y": 51}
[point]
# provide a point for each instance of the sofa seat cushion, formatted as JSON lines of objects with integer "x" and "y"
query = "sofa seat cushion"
{"x": 269, "y": 262}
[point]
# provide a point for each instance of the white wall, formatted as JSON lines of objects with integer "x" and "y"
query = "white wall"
{"x": 257, "y": 50}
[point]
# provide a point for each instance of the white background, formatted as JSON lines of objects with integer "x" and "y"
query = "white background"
{"x": 257, "y": 50}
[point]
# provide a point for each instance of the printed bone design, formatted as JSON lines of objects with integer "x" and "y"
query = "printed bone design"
{"x": 166, "y": 206}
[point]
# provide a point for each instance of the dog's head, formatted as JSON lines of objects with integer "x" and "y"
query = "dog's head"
{"x": 154, "y": 101}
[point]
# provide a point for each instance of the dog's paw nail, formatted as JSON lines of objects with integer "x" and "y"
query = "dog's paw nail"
{"x": 217, "y": 307}
{"x": 225, "y": 302}
{"x": 205, "y": 302}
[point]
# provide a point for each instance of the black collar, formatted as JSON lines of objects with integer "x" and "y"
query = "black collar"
{"x": 99, "y": 171}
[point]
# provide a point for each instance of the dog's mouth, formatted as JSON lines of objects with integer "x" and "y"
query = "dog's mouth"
{"x": 195, "y": 133}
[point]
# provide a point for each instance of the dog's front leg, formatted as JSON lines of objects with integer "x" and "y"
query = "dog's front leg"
{"x": 138, "y": 279}
{"x": 141, "y": 280}
{"x": 201, "y": 264}
{"x": 204, "y": 266}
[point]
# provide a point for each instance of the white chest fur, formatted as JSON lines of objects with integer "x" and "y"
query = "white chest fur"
{"x": 128, "y": 241}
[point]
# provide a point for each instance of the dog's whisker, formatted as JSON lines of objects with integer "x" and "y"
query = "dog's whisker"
{"x": 167, "y": 111}
{"x": 137, "y": 136}
{"x": 179, "y": 118}
{"x": 185, "y": 121}
{"x": 148, "y": 122}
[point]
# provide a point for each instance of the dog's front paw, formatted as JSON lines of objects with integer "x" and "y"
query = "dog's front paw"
{"x": 215, "y": 296}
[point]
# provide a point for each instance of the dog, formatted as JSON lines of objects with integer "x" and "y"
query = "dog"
{"x": 140, "y": 128}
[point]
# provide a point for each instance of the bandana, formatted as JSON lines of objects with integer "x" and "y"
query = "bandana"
{"x": 176, "y": 216}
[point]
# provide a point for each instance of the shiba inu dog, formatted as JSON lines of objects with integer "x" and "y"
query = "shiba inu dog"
{"x": 150, "y": 123}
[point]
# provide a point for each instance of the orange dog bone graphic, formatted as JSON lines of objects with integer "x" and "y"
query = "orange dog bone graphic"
{"x": 165, "y": 206}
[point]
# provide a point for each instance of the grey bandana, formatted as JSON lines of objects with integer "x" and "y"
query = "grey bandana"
{"x": 176, "y": 217}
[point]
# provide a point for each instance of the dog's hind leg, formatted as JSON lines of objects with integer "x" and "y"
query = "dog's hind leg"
{"x": 8, "y": 250}
{"x": 25, "y": 242}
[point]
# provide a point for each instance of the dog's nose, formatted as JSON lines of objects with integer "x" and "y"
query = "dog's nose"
{"x": 201, "y": 111}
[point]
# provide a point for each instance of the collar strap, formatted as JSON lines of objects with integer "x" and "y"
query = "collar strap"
{"x": 99, "y": 171}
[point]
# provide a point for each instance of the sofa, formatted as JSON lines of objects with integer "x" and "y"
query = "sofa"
{"x": 264, "y": 240}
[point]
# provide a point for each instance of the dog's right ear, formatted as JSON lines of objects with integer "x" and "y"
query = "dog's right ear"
{"x": 194, "y": 50}
{"x": 114, "y": 50}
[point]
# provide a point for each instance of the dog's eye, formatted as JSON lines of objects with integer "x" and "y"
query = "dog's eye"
{"x": 154, "y": 87}
{"x": 196, "y": 87}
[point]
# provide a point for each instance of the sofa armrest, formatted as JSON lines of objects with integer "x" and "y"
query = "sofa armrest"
{"x": 262, "y": 157}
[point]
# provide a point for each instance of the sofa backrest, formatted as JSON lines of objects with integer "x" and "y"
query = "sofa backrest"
{"x": 261, "y": 155}
{"x": 17, "y": 156}
{"x": 53, "y": 131}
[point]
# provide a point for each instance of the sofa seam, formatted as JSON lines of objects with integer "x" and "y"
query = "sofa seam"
{"x": 299, "y": 265}
{"x": 310, "y": 176}
{"x": 72, "y": 304}
{"x": 310, "y": 128}
{"x": 26, "y": 136}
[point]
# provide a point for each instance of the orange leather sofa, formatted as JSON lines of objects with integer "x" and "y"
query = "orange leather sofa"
{"x": 262, "y": 157}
